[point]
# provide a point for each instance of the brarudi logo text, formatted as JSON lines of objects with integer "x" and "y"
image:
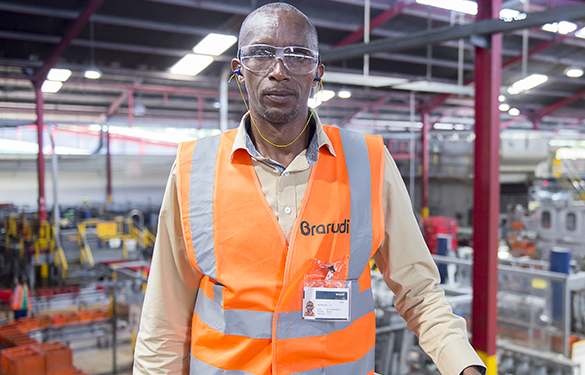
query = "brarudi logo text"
{"x": 310, "y": 230}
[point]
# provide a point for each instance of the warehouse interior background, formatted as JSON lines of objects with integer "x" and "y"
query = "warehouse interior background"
{"x": 118, "y": 84}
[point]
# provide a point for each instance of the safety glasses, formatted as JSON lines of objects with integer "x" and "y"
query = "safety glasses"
{"x": 260, "y": 58}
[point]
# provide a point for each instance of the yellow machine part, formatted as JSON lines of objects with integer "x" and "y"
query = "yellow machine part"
{"x": 107, "y": 230}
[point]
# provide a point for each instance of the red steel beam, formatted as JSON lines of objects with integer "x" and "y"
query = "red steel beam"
{"x": 66, "y": 40}
{"x": 38, "y": 80}
{"x": 377, "y": 103}
{"x": 379, "y": 20}
{"x": 534, "y": 50}
{"x": 558, "y": 105}
{"x": 117, "y": 103}
{"x": 425, "y": 163}
{"x": 113, "y": 107}
{"x": 486, "y": 191}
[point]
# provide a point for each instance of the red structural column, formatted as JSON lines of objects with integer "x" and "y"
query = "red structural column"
{"x": 108, "y": 167}
{"x": 41, "y": 156}
{"x": 425, "y": 162}
{"x": 486, "y": 195}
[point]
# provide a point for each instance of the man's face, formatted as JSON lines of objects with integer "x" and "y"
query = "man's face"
{"x": 278, "y": 95}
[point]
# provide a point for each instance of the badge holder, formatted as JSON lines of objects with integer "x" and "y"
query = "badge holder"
{"x": 326, "y": 292}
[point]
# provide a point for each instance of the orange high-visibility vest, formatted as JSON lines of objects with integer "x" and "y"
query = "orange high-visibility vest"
{"x": 247, "y": 317}
{"x": 18, "y": 297}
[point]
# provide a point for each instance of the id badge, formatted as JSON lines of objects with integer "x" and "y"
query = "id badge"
{"x": 327, "y": 301}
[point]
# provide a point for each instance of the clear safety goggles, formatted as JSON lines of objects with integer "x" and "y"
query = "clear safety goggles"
{"x": 260, "y": 58}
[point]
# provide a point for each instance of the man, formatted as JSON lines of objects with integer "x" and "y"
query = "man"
{"x": 21, "y": 298}
{"x": 250, "y": 216}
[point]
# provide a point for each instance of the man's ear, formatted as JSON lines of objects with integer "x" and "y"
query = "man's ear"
{"x": 319, "y": 74}
{"x": 237, "y": 70}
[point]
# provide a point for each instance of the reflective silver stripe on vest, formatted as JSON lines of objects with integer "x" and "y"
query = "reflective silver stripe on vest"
{"x": 258, "y": 324}
{"x": 201, "y": 368}
{"x": 291, "y": 325}
{"x": 201, "y": 202}
{"x": 357, "y": 161}
{"x": 253, "y": 324}
{"x": 362, "y": 366}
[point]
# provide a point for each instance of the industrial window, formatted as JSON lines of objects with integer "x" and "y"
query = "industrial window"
{"x": 571, "y": 221}
{"x": 545, "y": 222}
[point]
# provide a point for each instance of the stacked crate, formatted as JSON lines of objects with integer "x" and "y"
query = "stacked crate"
{"x": 22, "y": 355}
{"x": 51, "y": 358}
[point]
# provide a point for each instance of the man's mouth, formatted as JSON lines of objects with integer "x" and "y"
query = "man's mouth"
{"x": 279, "y": 95}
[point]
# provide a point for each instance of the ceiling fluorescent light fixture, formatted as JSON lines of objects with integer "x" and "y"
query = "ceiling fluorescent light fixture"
{"x": 514, "y": 112}
{"x": 93, "y": 73}
{"x": 344, "y": 94}
{"x": 504, "y": 107}
{"x": 462, "y": 6}
{"x": 527, "y": 83}
{"x": 361, "y": 80}
{"x": 321, "y": 97}
{"x": 574, "y": 72}
{"x": 566, "y": 27}
{"x": 61, "y": 75}
{"x": 191, "y": 64}
{"x": 438, "y": 87}
{"x": 51, "y": 86}
{"x": 563, "y": 27}
{"x": 580, "y": 33}
{"x": 215, "y": 44}
{"x": 326, "y": 95}
{"x": 509, "y": 15}
{"x": 443, "y": 126}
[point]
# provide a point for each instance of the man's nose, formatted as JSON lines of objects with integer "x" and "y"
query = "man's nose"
{"x": 279, "y": 71}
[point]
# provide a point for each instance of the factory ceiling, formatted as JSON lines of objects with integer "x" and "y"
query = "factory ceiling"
{"x": 134, "y": 43}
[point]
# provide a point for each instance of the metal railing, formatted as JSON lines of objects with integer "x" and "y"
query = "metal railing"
{"x": 534, "y": 305}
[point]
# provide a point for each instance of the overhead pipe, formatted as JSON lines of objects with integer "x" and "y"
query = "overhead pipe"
{"x": 55, "y": 172}
{"x": 199, "y": 111}
{"x": 223, "y": 99}
{"x": 366, "y": 36}
{"x": 411, "y": 147}
{"x": 130, "y": 108}
{"x": 40, "y": 154}
{"x": 108, "y": 167}
{"x": 525, "y": 41}
{"x": 461, "y": 55}
{"x": 425, "y": 117}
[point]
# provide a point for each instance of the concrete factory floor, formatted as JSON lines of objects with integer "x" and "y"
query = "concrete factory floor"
{"x": 95, "y": 361}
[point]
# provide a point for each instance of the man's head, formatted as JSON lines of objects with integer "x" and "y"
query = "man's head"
{"x": 272, "y": 8}
{"x": 278, "y": 95}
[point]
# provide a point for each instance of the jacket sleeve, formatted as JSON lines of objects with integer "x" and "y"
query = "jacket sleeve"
{"x": 163, "y": 342}
{"x": 410, "y": 272}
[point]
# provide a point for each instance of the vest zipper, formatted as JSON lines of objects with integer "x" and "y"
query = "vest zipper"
{"x": 289, "y": 255}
